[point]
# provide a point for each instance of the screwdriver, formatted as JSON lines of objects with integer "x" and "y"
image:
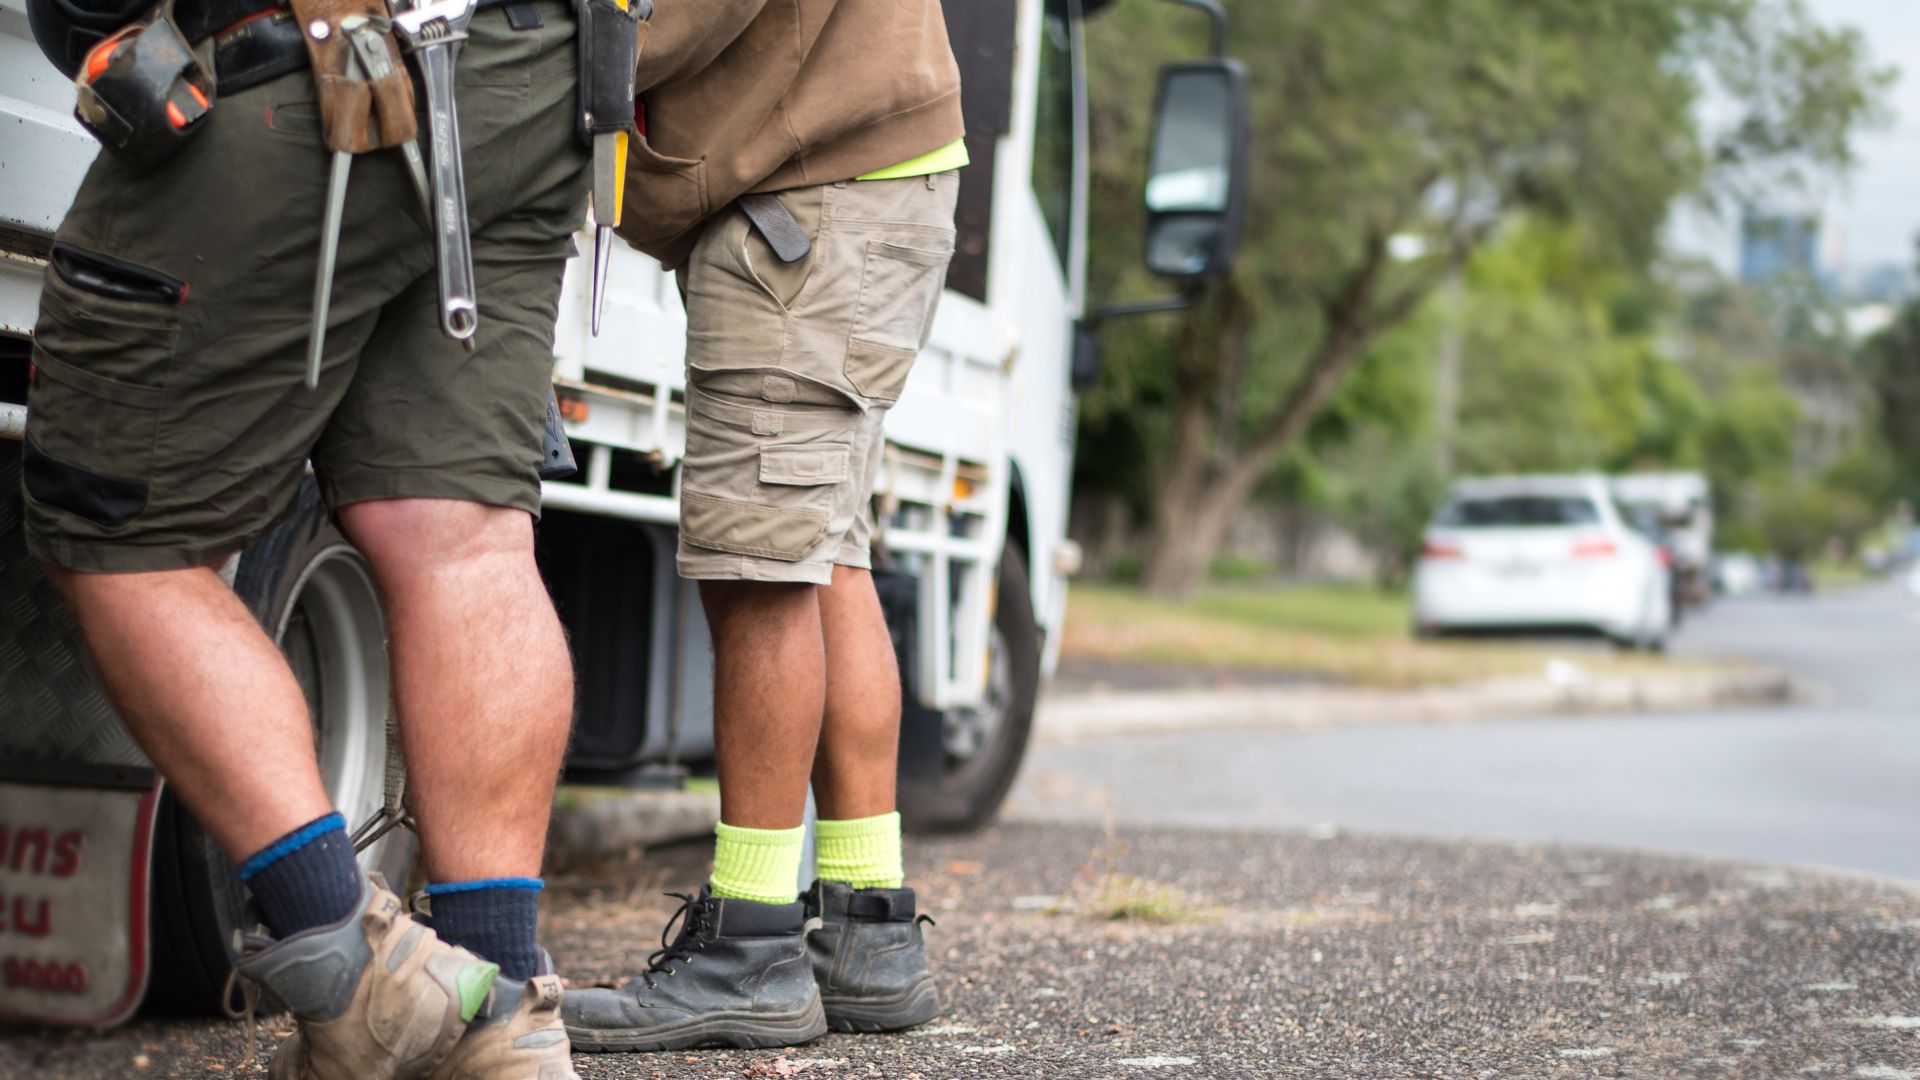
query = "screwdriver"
{"x": 609, "y": 192}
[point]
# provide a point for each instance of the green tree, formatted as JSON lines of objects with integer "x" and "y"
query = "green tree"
{"x": 1443, "y": 119}
{"x": 1892, "y": 360}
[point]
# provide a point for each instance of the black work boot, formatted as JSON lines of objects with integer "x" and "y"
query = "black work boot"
{"x": 737, "y": 975}
{"x": 869, "y": 958}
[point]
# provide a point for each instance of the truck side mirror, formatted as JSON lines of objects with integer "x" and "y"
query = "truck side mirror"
{"x": 1197, "y": 170}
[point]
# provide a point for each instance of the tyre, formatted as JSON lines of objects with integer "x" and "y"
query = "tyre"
{"x": 314, "y": 594}
{"x": 985, "y": 746}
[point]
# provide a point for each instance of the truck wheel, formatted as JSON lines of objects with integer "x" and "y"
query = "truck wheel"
{"x": 315, "y": 595}
{"x": 985, "y": 746}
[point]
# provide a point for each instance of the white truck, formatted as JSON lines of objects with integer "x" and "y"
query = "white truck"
{"x": 109, "y": 891}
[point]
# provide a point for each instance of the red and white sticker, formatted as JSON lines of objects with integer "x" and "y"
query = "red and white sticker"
{"x": 73, "y": 902}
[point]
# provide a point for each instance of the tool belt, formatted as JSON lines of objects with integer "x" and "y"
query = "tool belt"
{"x": 254, "y": 41}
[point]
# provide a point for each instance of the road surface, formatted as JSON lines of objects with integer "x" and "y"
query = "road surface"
{"x": 1831, "y": 783}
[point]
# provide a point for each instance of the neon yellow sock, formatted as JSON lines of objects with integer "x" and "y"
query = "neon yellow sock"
{"x": 762, "y": 865}
{"x": 863, "y": 852}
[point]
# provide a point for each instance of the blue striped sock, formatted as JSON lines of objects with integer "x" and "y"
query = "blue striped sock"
{"x": 495, "y": 918}
{"x": 306, "y": 878}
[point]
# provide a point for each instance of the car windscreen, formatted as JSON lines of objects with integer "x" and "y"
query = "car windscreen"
{"x": 1518, "y": 512}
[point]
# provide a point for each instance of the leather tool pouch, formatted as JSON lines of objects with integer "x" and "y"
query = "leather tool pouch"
{"x": 143, "y": 91}
{"x": 356, "y": 115}
{"x": 608, "y": 41}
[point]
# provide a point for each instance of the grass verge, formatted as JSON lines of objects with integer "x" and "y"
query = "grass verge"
{"x": 1350, "y": 634}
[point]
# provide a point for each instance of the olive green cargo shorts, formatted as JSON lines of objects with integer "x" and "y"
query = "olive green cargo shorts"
{"x": 169, "y": 422}
{"x": 791, "y": 368}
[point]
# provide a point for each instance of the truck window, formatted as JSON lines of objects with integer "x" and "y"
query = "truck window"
{"x": 1053, "y": 131}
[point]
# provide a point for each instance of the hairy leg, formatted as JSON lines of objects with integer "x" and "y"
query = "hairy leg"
{"x": 769, "y": 691}
{"x": 208, "y": 696}
{"x": 855, "y": 769}
{"x": 482, "y": 681}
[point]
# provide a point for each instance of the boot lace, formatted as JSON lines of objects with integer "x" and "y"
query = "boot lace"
{"x": 692, "y": 918}
{"x": 249, "y": 997}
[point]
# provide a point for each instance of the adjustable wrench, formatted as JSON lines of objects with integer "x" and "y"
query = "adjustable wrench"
{"x": 432, "y": 32}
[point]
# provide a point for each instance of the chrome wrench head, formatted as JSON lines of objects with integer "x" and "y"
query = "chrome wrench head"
{"x": 432, "y": 23}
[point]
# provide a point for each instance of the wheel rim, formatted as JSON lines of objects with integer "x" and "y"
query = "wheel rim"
{"x": 334, "y": 636}
{"x": 968, "y": 733}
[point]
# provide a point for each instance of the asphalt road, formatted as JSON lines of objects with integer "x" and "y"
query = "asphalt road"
{"x": 1831, "y": 783}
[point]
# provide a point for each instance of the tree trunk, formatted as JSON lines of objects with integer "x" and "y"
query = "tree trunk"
{"x": 1185, "y": 540}
{"x": 1201, "y": 488}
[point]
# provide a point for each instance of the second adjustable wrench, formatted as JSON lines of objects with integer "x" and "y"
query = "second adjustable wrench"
{"x": 431, "y": 32}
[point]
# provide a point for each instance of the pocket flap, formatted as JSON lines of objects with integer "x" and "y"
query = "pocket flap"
{"x": 803, "y": 466}
{"x": 749, "y": 528}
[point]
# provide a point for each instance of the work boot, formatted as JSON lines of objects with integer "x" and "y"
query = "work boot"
{"x": 869, "y": 958}
{"x": 518, "y": 1035}
{"x": 737, "y": 975}
{"x": 377, "y": 995}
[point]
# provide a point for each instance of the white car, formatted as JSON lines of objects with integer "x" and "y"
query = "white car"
{"x": 1540, "y": 553}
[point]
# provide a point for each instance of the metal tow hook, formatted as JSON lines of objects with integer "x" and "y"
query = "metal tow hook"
{"x": 431, "y": 32}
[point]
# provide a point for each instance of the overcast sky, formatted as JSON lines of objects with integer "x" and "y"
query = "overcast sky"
{"x": 1872, "y": 217}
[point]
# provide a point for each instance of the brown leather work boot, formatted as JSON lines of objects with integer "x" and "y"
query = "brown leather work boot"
{"x": 377, "y": 995}
{"x": 517, "y": 1036}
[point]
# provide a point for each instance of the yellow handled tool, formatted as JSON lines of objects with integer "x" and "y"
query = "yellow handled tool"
{"x": 610, "y": 46}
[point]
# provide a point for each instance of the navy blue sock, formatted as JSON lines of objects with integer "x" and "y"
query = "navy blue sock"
{"x": 306, "y": 878}
{"x": 496, "y": 919}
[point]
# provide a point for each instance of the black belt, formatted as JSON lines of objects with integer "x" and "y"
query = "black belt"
{"x": 257, "y": 40}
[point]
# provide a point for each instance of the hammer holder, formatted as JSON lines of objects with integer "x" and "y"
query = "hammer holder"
{"x": 357, "y": 114}
{"x": 143, "y": 91}
{"x": 607, "y": 36}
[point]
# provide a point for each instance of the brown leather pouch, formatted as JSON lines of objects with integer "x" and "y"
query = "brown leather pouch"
{"x": 356, "y": 114}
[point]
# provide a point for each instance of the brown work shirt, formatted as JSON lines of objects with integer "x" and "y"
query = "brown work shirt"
{"x": 765, "y": 95}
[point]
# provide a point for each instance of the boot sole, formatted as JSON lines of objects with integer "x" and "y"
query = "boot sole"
{"x": 746, "y": 1030}
{"x": 912, "y": 1007}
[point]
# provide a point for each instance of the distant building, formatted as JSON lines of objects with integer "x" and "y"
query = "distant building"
{"x": 1775, "y": 245}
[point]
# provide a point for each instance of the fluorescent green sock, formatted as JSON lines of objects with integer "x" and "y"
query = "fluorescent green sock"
{"x": 762, "y": 865}
{"x": 863, "y": 852}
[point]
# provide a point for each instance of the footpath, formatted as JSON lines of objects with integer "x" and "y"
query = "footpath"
{"x": 1074, "y": 952}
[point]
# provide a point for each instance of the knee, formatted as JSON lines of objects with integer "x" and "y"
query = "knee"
{"x": 762, "y": 600}
{"x": 400, "y": 536}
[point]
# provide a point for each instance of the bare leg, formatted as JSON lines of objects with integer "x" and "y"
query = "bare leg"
{"x": 854, "y": 772}
{"x": 482, "y": 681}
{"x": 769, "y": 691}
{"x": 209, "y": 698}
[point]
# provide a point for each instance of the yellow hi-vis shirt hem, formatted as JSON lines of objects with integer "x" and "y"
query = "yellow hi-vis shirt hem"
{"x": 946, "y": 159}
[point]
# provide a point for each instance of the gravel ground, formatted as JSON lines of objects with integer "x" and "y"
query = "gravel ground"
{"x": 1280, "y": 955}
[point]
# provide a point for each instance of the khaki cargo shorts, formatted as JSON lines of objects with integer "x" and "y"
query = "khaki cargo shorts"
{"x": 169, "y": 423}
{"x": 791, "y": 368}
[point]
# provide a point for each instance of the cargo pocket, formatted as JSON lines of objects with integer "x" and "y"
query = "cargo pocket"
{"x": 787, "y": 521}
{"x": 899, "y": 288}
{"x": 749, "y": 528}
{"x": 94, "y": 405}
{"x": 676, "y": 195}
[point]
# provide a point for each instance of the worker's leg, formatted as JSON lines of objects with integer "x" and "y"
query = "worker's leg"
{"x": 853, "y": 773}
{"x": 484, "y": 692}
{"x": 212, "y": 702}
{"x": 769, "y": 688}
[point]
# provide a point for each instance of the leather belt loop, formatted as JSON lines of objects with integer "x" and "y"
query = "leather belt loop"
{"x": 777, "y": 226}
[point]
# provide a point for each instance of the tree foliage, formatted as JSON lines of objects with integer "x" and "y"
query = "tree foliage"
{"x": 1440, "y": 119}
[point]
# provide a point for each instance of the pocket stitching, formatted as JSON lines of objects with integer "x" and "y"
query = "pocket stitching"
{"x": 835, "y": 467}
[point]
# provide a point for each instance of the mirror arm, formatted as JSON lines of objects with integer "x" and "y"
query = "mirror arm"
{"x": 1219, "y": 15}
{"x": 1179, "y": 301}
